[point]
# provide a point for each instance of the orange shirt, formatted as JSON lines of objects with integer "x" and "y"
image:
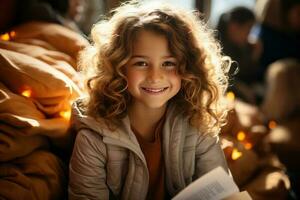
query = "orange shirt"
{"x": 154, "y": 158}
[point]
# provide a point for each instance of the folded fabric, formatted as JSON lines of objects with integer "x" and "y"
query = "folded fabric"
{"x": 58, "y": 60}
{"x": 239, "y": 166}
{"x": 52, "y": 127}
{"x": 38, "y": 82}
{"x": 243, "y": 117}
{"x": 269, "y": 184}
{"x": 51, "y": 89}
{"x": 23, "y": 116}
{"x": 284, "y": 141}
{"x": 60, "y": 37}
{"x": 18, "y": 105}
{"x": 252, "y": 166}
{"x": 39, "y": 175}
{"x": 35, "y": 42}
{"x": 43, "y": 54}
{"x": 14, "y": 144}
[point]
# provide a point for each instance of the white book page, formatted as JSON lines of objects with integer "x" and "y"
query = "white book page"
{"x": 214, "y": 185}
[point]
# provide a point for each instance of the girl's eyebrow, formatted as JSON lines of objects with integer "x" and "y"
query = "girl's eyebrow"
{"x": 143, "y": 56}
{"x": 139, "y": 56}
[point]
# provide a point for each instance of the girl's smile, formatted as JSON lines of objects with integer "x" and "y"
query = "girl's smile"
{"x": 154, "y": 90}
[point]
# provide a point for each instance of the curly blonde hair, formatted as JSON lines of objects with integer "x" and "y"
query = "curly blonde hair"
{"x": 202, "y": 67}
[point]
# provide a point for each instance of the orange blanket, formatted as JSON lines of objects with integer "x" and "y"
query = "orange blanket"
{"x": 39, "y": 175}
{"x": 38, "y": 82}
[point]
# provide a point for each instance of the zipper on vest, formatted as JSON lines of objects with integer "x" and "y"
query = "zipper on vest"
{"x": 112, "y": 141}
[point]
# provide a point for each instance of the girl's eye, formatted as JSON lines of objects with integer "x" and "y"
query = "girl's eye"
{"x": 140, "y": 64}
{"x": 169, "y": 64}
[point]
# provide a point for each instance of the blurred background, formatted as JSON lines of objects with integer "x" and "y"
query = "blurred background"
{"x": 261, "y": 140}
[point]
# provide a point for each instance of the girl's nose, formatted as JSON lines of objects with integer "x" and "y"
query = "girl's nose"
{"x": 155, "y": 74}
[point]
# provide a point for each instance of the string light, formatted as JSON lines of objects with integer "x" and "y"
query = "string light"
{"x": 248, "y": 145}
{"x": 65, "y": 114}
{"x": 241, "y": 136}
{"x": 272, "y": 124}
{"x": 230, "y": 96}
{"x": 26, "y": 93}
{"x": 8, "y": 36}
{"x": 12, "y": 34}
{"x": 5, "y": 37}
{"x": 235, "y": 154}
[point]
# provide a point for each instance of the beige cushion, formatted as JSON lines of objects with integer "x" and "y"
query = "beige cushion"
{"x": 18, "y": 105}
{"x": 15, "y": 144}
{"x": 58, "y": 60}
{"x": 52, "y": 90}
{"x": 39, "y": 175}
{"x": 37, "y": 52}
{"x": 60, "y": 37}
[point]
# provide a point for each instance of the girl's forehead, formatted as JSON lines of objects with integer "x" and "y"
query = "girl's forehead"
{"x": 146, "y": 34}
{"x": 150, "y": 42}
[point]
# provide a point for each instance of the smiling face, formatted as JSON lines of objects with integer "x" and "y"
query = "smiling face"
{"x": 152, "y": 71}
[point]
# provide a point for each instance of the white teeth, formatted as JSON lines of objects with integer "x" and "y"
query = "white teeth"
{"x": 154, "y": 89}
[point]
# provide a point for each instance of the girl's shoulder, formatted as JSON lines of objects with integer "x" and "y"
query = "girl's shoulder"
{"x": 80, "y": 118}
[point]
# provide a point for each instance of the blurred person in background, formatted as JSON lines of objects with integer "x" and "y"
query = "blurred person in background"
{"x": 65, "y": 12}
{"x": 279, "y": 30}
{"x": 85, "y": 13}
{"x": 234, "y": 28}
{"x": 282, "y": 105}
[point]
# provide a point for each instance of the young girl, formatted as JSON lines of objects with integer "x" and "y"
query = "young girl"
{"x": 149, "y": 127}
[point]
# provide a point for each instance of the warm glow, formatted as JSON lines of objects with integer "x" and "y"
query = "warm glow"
{"x": 5, "y": 37}
{"x": 230, "y": 96}
{"x": 65, "y": 114}
{"x": 12, "y": 34}
{"x": 26, "y": 93}
{"x": 272, "y": 124}
{"x": 71, "y": 102}
{"x": 248, "y": 145}
{"x": 235, "y": 154}
{"x": 241, "y": 136}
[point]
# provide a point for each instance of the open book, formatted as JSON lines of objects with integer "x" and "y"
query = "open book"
{"x": 215, "y": 185}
